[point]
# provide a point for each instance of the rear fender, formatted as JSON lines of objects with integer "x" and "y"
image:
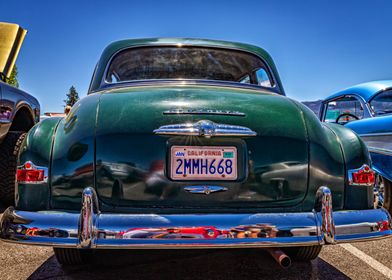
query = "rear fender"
{"x": 335, "y": 149}
{"x": 73, "y": 155}
{"x": 326, "y": 162}
{"x": 355, "y": 154}
{"x": 37, "y": 148}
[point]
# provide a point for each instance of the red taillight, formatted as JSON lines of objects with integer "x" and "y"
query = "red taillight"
{"x": 363, "y": 176}
{"x": 29, "y": 173}
{"x": 30, "y": 176}
{"x": 384, "y": 225}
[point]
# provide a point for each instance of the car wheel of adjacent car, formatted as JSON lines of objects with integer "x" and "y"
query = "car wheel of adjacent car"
{"x": 69, "y": 256}
{"x": 305, "y": 253}
{"x": 387, "y": 195}
{"x": 9, "y": 150}
{"x": 382, "y": 193}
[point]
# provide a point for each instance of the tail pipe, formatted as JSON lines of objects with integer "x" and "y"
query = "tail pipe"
{"x": 280, "y": 257}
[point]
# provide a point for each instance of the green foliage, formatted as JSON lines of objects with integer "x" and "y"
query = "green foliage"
{"x": 13, "y": 79}
{"x": 72, "y": 97}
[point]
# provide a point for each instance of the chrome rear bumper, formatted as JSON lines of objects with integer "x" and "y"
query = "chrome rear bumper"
{"x": 92, "y": 229}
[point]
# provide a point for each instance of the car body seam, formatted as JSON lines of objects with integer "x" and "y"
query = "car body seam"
{"x": 344, "y": 160}
{"x": 51, "y": 163}
{"x": 308, "y": 149}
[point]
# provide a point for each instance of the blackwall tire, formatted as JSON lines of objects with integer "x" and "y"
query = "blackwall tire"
{"x": 304, "y": 253}
{"x": 9, "y": 151}
{"x": 70, "y": 256}
{"x": 387, "y": 195}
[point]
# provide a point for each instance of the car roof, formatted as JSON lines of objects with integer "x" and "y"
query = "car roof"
{"x": 364, "y": 90}
{"x": 117, "y": 46}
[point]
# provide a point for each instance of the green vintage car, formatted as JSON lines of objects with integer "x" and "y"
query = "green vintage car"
{"x": 191, "y": 143}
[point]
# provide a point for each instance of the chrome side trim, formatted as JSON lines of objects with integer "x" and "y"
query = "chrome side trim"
{"x": 204, "y": 128}
{"x": 376, "y": 134}
{"x": 380, "y": 151}
{"x": 203, "y": 112}
{"x": 378, "y": 142}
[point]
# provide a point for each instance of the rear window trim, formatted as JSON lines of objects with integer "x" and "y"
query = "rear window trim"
{"x": 185, "y": 82}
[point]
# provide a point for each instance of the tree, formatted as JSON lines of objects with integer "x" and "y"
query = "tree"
{"x": 13, "y": 79}
{"x": 72, "y": 97}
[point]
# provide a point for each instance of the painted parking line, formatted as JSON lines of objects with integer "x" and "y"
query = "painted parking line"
{"x": 387, "y": 272}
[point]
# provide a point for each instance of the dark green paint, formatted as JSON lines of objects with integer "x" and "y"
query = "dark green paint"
{"x": 127, "y": 119}
{"x": 355, "y": 154}
{"x": 107, "y": 142}
{"x": 326, "y": 164}
{"x": 36, "y": 148}
{"x": 73, "y": 153}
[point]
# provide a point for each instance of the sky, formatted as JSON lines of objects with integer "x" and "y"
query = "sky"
{"x": 319, "y": 46}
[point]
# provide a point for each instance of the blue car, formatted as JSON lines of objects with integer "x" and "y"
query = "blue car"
{"x": 367, "y": 109}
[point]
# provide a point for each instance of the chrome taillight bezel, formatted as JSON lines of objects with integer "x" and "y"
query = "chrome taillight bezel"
{"x": 28, "y": 165}
{"x": 365, "y": 169}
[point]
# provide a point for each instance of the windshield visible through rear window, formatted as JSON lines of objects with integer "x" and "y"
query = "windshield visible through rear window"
{"x": 196, "y": 63}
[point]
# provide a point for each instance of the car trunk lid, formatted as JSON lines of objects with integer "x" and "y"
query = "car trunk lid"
{"x": 133, "y": 163}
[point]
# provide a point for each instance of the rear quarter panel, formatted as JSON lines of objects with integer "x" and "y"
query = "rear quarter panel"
{"x": 326, "y": 163}
{"x": 355, "y": 154}
{"x": 37, "y": 147}
{"x": 73, "y": 156}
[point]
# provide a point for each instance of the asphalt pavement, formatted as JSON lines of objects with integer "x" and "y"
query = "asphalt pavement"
{"x": 368, "y": 260}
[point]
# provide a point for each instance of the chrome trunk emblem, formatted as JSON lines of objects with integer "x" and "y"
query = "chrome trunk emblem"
{"x": 203, "y": 112}
{"x": 204, "y": 128}
{"x": 205, "y": 189}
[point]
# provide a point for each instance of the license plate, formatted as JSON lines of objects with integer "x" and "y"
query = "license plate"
{"x": 203, "y": 163}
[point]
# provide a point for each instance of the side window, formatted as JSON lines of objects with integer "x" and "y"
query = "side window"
{"x": 245, "y": 80}
{"x": 263, "y": 78}
{"x": 346, "y": 109}
{"x": 113, "y": 78}
{"x": 382, "y": 103}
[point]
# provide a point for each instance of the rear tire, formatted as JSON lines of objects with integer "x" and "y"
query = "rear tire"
{"x": 70, "y": 256}
{"x": 9, "y": 151}
{"x": 387, "y": 195}
{"x": 305, "y": 253}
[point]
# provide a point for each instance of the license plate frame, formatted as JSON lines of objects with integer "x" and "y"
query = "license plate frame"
{"x": 205, "y": 154}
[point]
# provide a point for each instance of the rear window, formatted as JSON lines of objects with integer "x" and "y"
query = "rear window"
{"x": 196, "y": 63}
